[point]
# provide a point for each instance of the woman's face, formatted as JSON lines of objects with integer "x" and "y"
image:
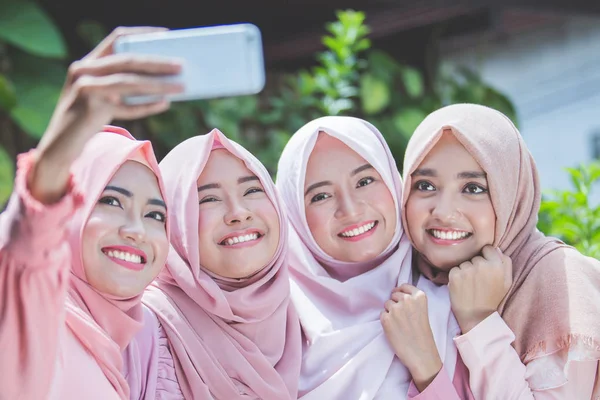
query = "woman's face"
{"x": 349, "y": 209}
{"x": 124, "y": 241}
{"x": 449, "y": 211}
{"x": 238, "y": 226}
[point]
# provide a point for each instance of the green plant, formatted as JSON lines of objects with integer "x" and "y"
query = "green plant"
{"x": 32, "y": 71}
{"x": 570, "y": 216}
{"x": 349, "y": 78}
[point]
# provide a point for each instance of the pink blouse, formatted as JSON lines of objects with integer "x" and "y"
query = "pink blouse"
{"x": 491, "y": 367}
{"x": 40, "y": 357}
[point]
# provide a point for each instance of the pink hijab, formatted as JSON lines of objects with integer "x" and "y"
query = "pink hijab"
{"x": 104, "y": 324}
{"x": 346, "y": 353}
{"x": 230, "y": 339}
{"x": 554, "y": 301}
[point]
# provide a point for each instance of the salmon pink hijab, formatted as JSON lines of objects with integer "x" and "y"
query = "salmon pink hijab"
{"x": 230, "y": 339}
{"x": 346, "y": 353}
{"x": 103, "y": 323}
{"x": 554, "y": 301}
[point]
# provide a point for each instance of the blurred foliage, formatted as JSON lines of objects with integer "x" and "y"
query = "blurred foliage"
{"x": 349, "y": 78}
{"x": 32, "y": 71}
{"x": 570, "y": 216}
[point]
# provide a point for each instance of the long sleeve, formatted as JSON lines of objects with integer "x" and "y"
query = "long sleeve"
{"x": 496, "y": 371}
{"x": 34, "y": 276}
{"x": 442, "y": 388}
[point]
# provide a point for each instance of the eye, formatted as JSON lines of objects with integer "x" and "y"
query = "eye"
{"x": 320, "y": 197}
{"x": 157, "y": 215}
{"x": 209, "y": 199}
{"x": 254, "y": 190}
{"x": 424, "y": 186}
{"x": 365, "y": 181}
{"x": 473, "y": 188}
{"x": 110, "y": 200}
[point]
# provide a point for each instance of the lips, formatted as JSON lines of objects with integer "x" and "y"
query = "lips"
{"x": 126, "y": 256}
{"x": 240, "y": 237}
{"x": 448, "y": 235}
{"x": 359, "y": 231}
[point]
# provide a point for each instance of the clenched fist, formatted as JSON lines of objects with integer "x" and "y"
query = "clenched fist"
{"x": 478, "y": 286}
{"x": 406, "y": 324}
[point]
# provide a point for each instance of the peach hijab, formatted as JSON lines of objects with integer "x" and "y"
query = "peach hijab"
{"x": 554, "y": 301}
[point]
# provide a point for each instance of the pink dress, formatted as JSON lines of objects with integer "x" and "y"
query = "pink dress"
{"x": 493, "y": 370}
{"x": 41, "y": 358}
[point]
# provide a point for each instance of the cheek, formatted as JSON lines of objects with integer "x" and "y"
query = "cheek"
{"x": 315, "y": 218}
{"x": 97, "y": 226}
{"x": 268, "y": 214}
{"x": 387, "y": 206}
{"x": 415, "y": 215}
{"x": 158, "y": 237}
{"x": 208, "y": 223}
{"x": 486, "y": 221}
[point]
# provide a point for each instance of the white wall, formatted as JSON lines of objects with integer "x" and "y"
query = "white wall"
{"x": 552, "y": 75}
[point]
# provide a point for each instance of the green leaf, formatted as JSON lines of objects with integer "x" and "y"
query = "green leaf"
{"x": 7, "y": 175}
{"x": 7, "y": 94}
{"x": 38, "y": 83}
{"x": 407, "y": 120}
{"x": 374, "y": 94}
{"x": 25, "y": 25}
{"x": 382, "y": 65}
{"x": 413, "y": 82}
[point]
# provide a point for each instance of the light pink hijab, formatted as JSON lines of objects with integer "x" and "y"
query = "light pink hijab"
{"x": 346, "y": 353}
{"x": 554, "y": 301}
{"x": 230, "y": 339}
{"x": 103, "y": 323}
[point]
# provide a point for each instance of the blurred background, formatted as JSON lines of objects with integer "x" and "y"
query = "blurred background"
{"x": 390, "y": 62}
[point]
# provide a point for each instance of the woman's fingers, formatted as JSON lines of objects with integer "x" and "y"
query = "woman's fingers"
{"x": 105, "y": 47}
{"x": 125, "y": 85}
{"x": 142, "y": 110}
{"x": 124, "y": 63}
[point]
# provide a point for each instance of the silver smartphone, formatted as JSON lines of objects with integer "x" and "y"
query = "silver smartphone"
{"x": 218, "y": 61}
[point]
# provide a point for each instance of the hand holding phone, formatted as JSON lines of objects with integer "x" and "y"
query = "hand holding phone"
{"x": 217, "y": 61}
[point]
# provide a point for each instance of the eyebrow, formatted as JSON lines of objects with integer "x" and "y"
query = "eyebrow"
{"x": 361, "y": 169}
{"x": 127, "y": 193}
{"x": 326, "y": 183}
{"x": 241, "y": 180}
{"x": 317, "y": 185}
{"x": 248, "y": 178}
{"x": 461, "y": 175}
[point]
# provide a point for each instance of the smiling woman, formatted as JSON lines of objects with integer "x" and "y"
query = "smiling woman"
{"x": 82, "y": 236}
{"x": 351, "y": 268}
{"x": 238, "y": 225}
{"x": 528, "y": 305}
{"x": 224, "y": 298}
{"x": 98, "y": 278}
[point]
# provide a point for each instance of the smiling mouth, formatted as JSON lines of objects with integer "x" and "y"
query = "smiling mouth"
{"x": 449, "y": 235}
{"x": 358, "y": 231}
{"x": 232, "y": 241}
{"x": 125, "y": 256}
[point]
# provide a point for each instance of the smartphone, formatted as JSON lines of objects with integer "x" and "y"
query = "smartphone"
{"x": 218, "y": 61}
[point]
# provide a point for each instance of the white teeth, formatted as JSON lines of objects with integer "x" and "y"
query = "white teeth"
{"x": 445, "y": 235}
{"x": 241, "y": 239}
{"x": 121, "y": 255}
{"x": 359, "y": 231}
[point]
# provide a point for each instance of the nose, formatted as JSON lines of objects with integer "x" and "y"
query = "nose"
{"x": 237, "y": 213}
{"x": 445, "y": 208}
{"x": 348, "y": 206}
{"x": 133, "y": 229}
